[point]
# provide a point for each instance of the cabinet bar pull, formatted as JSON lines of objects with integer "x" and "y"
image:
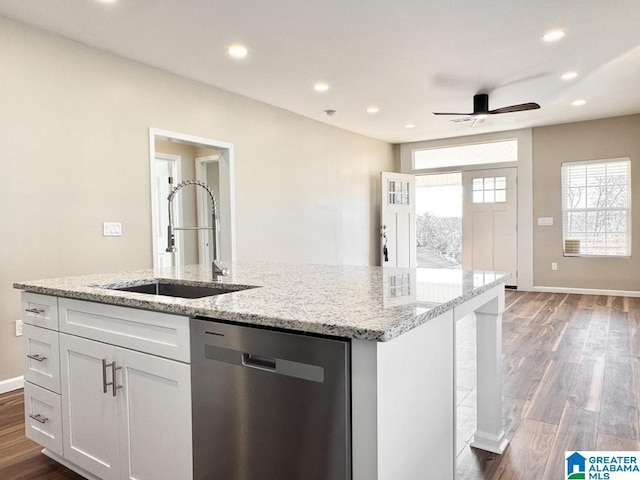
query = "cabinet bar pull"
{"x": 38, "y": 418}
{"x": 105, "y": 384}
{"x": 114, "y": 386}
{"x": 37, "y": 311}
{"x": 37, "y": 358}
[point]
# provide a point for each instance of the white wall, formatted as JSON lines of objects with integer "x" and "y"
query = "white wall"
{"x": 74, "y": 152}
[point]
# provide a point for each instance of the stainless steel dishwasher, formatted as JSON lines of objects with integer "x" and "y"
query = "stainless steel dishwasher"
{"x": 269, "y": 405}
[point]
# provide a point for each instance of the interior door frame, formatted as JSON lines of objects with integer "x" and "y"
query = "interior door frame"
{"x": 226, "y": 151}
{"x": 177, "y": 210}
{"x": 202, "y": 205}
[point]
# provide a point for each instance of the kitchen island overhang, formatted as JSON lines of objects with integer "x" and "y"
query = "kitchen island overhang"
{"x": 401, "y": 323}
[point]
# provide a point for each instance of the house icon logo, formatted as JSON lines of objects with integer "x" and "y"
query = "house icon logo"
{"x": 576, "y": 467}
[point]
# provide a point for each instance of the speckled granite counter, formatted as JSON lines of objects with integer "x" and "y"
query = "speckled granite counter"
{"x": 367, "y": 303}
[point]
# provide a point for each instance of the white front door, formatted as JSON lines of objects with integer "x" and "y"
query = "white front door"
{"x": 398, "y": 220}
{"x": 489, "y": 221}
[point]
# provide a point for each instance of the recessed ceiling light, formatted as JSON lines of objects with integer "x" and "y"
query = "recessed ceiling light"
{"x": 373, "y": 110}
{"x": 238, "y": 51}
{"x": 409, "y": 125}
{"x": 554, "y": 35}
{"x": 321, "y": 87}
{"x": 578, "y": 103}
{"x": 569, "y": 75}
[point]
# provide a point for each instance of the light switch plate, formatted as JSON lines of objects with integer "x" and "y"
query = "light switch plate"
{"x": 545, "y": 221}
{"x": 112, "y": 229}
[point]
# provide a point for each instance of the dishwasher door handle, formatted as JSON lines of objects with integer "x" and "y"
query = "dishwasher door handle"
{"x": 256, "y": 361}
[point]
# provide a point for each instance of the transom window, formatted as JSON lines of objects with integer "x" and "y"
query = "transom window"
{"x": 596, "y": 208}
{"x": 489, "y": 190}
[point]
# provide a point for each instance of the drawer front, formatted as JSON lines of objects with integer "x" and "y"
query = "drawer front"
{"x": 41, "y": 357}
{"x": 156, "y": 333}
{"x": 43, "y": 417}
{"x": 40, "y": 310}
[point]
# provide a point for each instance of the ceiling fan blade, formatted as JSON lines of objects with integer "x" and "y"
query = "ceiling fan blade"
{"x": 459, "y": 114}
{"x": 459, "y": 120}
{"x": 515, "y": 108}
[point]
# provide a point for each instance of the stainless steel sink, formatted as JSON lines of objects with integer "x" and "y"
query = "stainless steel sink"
{"x": 178, "y": 290}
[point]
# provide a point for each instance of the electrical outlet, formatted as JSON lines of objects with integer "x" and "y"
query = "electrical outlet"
{"x": 112, "y": 229}
{"x": 554, "y": 266}
{"x": 18, "y": 328}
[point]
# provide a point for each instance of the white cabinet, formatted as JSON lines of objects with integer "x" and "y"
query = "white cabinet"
{"x": 43, "y": 422}
{"x": 41, "y": 357}
{"x": 42, "y": 403}
{"x": 98, "y": 393}
{"x": 126, "y": 414}
{"x": 89, "y": 414}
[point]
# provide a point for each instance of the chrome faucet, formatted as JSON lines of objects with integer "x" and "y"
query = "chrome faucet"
{"x": 216, "y": 268}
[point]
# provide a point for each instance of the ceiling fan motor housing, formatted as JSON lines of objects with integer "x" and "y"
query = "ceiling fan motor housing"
{"x": 481, "y": 103}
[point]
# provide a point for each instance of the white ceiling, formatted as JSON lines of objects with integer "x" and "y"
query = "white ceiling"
{"x": 407, "y": 57}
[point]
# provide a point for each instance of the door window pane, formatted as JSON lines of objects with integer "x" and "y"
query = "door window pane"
{"x": 489, "y": 189}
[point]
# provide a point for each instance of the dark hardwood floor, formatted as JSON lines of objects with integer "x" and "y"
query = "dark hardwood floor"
{"x": 571, "y": 368}
{"x": 571, "y": 377}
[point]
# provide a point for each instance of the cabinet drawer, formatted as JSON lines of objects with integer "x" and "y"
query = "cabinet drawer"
{"x": 156, "y": 333}
{"x": 41, "y": 357}
{"x": 40, "y": 310}
{"x": 43, "y": 417}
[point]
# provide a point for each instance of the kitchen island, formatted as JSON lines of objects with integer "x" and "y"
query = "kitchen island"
{"x": 400, "y": 324}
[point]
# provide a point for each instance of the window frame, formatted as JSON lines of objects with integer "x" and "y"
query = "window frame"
{"x": 565, "y": 166}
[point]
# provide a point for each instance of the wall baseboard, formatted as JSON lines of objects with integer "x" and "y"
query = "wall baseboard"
{"x": 588, "y": 291}
{"x": 11, "y": 384}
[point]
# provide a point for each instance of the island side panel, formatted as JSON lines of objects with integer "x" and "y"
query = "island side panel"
{"x": 403, "y": 394}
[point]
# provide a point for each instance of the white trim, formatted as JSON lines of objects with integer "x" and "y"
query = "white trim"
{"x": 11, "y": 384}
{"x": 587, "y": 291}
{"x": 202, "y": 205}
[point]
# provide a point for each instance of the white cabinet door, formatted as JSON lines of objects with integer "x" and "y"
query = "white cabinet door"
{"x": 155, "y": 417}
{"x": 89, "y": 415}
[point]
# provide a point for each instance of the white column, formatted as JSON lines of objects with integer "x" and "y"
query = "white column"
{"x": 490, "y": 434}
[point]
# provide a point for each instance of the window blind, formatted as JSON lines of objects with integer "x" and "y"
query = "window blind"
{"x": 596, "y": 208}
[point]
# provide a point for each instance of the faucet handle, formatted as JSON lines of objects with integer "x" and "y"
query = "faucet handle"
{"x": 217, "y": 269}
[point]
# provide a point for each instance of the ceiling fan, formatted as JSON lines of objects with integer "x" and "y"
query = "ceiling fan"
{"x": 481, "y": 109}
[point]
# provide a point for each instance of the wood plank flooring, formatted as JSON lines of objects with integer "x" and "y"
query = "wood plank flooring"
{"x": 571, "y": 368}
{"x": 571, "y": 382}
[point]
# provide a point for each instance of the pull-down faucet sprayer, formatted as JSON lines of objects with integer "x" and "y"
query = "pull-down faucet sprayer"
{"x": 216, "y": 268}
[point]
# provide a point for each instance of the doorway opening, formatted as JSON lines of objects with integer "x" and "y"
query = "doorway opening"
{"x": 206, "y": 160}
{"x": 439, "y": 220}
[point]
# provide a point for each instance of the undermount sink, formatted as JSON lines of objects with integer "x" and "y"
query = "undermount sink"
{"x": 177, "y": 290}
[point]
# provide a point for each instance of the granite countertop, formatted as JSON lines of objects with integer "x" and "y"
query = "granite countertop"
{"x": 369, "y": 303}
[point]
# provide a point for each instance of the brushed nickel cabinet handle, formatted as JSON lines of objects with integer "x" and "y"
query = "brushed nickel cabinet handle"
{"x": 114, "y": 386}
{"x": 105, "y": 384}
{"x": 37, "y": 358}
{"x": 37, "y": 311}
{"x": 38, "y": 418}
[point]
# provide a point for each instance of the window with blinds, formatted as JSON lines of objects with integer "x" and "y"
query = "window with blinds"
{"x": 596, "y": 208}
